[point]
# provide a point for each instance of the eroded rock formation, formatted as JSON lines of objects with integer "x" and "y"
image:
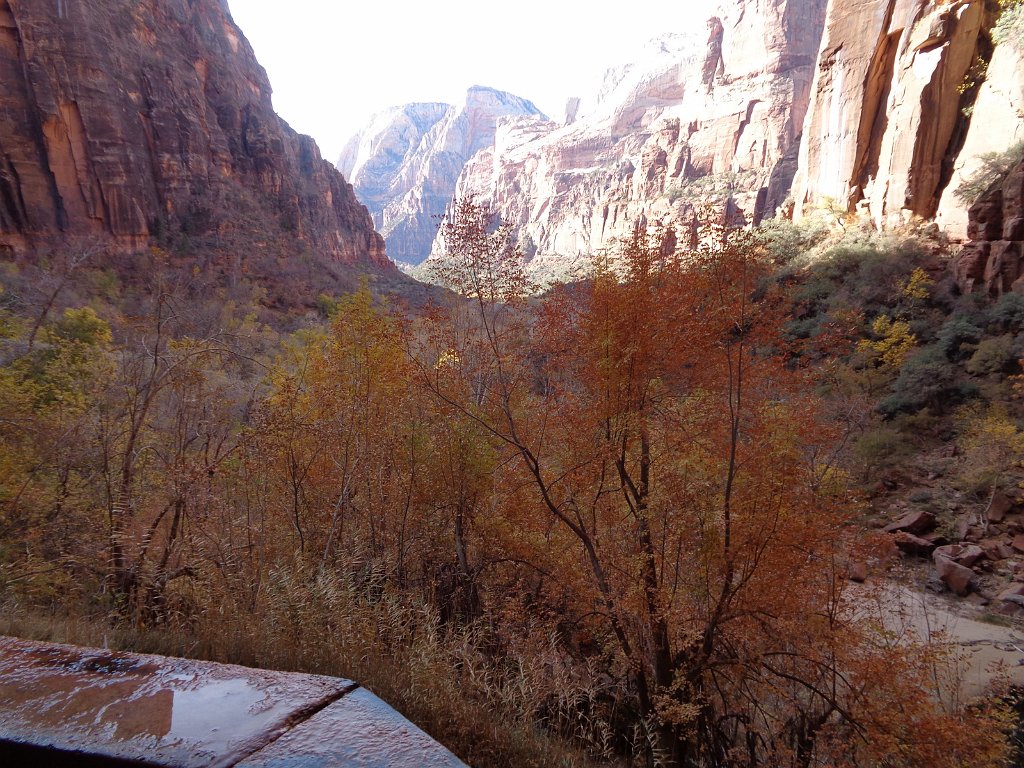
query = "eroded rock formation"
{"x": 404, "y": 164}
{"x": 993, "y": 259}
{"x": 712, "y": 115}
{"x": 127, "y": 119}
{"x": 997, "y": 123}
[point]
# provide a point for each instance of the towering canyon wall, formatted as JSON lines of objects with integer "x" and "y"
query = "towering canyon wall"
{"x": 124, "y": 119}
{"x": 711, "y": 115}
{"x": 907, "y": 94}
{"x": 404, "y": 164}
{"x": 996, "y": 124}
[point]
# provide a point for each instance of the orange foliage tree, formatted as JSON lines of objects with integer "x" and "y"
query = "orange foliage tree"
{"x": 657, "y": 470}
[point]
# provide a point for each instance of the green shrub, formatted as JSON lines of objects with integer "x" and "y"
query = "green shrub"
{"x": 957, "y": 336}
{"x": 926, "y": 380}
{"x": 1008, "y": 313}
{"x": 995, "y": 355}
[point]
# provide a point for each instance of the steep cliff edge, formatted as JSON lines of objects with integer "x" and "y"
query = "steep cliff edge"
{"x": 132, "y": 120}
{"x": 996, "y": 120}
{"x": 404, "y": 164}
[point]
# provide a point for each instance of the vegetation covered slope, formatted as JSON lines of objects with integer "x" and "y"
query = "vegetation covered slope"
{"x": 613, "y": 524}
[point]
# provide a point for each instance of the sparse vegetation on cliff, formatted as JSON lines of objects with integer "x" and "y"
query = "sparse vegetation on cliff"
{"x": 995, "y": 166}
{"x": 1009, "y": 28}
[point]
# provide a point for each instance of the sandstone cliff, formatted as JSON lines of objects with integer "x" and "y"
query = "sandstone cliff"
{"x": 405, "y": 162}
{"x": 132, "y": 119}
{"x": 996, "y": 123}
{"x": 907, "y": 94}
{"x": 713, "y": 115}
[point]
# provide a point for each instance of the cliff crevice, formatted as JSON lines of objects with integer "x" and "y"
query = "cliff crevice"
{"x": 890, "y": 109}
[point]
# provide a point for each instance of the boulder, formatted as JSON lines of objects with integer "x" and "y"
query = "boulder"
{"x": 955, "y": 576}
{"x": 917, "y": 522}
{"x": 857, "y": 571}
{"x": 998, "y": 508}
{"x": 997, "y": 550}
{"x": 968, "y": 530}
{"x": 963, "y": 554}
{"x": 1014, "y": 593}
{"x": 913, "y": 545}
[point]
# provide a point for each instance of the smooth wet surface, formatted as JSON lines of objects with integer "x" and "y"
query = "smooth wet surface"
{"x": 163, "y": 711}
{"x": 375, "y": 736}
{"x": 61, "y": 705}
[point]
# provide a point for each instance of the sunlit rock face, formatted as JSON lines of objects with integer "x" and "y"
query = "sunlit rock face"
{"x": 711, "y": 115}
{"x": 897, "y": 117}
{"x": 405, "y": 162}
{"x": 129, "y": 118}
{"x": 996, "y": 123}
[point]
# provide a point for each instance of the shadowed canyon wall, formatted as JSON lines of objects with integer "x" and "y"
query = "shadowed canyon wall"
{"x": 128, "y": 119}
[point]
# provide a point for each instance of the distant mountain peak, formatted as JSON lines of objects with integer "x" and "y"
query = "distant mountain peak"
{"x": 405, "y": 161}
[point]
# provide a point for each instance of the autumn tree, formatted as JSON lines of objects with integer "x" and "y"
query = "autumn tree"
{"x": 664, "y": 470}
{"x": 340, "y": 442}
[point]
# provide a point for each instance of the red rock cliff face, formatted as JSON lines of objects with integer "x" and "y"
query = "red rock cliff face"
{"x": 993, "y": 259}
{"x": 712, "y": 115}
{"x": 125, "y": 118}
{"x": 888, "y": 112}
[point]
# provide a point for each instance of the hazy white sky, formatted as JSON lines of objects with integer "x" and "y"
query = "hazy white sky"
{"x": 333, "y": 63}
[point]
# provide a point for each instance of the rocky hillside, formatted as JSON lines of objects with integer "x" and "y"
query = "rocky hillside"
{"x": 405, "y": 162}
{"x": 132, "y": 122}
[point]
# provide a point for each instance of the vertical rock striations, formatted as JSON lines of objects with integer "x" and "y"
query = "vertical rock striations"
{"x": 890, "y": 124}
{"x": 129, "y": 119}
{"x": 405, "y": 162}
{"x": 996, "y": 124}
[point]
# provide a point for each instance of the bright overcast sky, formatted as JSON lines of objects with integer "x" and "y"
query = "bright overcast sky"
{"x": 333, "y": 63}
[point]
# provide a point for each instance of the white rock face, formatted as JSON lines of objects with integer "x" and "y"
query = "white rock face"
{"x": 710, "y": 115}
{"x": 997, "y": 122}
{"x": 404, "y": 164}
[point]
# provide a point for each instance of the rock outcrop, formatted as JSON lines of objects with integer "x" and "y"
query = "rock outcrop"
{"x": 711, "y": 115}
{"x": 890, "y": 126}
{"x": 404, "y": 164}
{"x": 132, "y": 120}
{"x": 993, "y": 260}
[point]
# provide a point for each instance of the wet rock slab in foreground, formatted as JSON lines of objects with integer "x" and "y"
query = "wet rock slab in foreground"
{"x": 64, "y": 705}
